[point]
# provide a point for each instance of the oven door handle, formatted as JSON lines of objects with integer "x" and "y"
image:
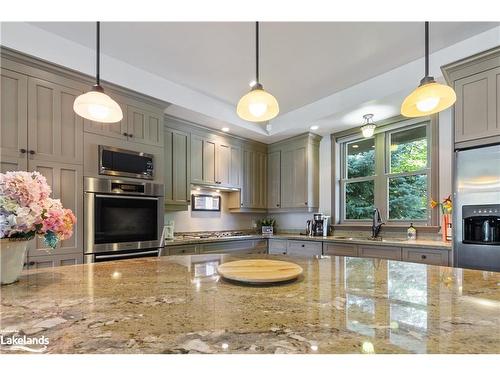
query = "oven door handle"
{"x": 126, "y": 197}
{"x": 123, "y": 255}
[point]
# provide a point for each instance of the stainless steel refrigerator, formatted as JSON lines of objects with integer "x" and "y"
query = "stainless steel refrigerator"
{"x": 477, "y": 208}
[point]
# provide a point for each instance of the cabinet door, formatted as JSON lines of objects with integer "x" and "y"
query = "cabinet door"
{"x": 304, "y": 248}
{"x": 274, "y": 180}
{"x": 287, "y": 179}
{"x": 209, "y": 161}
{"x": 13, "y": 120}
{"x": 196, "y": 159}
{"x": 428, "y": 256}
{"x": 261, "y": 182}
{"x": 300, "y": 177}
{"x": 476, "y": 106}
{"x": 180, "y": 163}
{"x": 118, "y": 130}
{"x": 137, "y": 122}
{"x": 223, "y": 164}
{"x": 248, "y": 178}
{"x": 54, "y": 260}
{"x": 235, "y": 169}
{"x": 55, "y": 130}
{"x": 66, "y": 181}
{"x": 384, "y": 252}
{"x": 340, "y": 249}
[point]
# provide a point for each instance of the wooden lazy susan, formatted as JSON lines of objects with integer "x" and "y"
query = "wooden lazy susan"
{"x": 259, "y": 271}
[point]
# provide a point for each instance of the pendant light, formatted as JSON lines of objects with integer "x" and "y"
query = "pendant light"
{"x": 95, "y": 105}
{"x": 369, "y": 127}
{"x": 258, "y": 105}
{"x": 429, "y": 97}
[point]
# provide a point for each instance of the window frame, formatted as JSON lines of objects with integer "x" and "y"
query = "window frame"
{"x": 383, "y": 173}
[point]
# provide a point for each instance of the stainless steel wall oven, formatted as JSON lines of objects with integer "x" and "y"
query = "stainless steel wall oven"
{"x": 122, "y": 219}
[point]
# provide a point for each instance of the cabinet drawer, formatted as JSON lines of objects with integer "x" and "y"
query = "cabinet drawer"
{"x": 304, "y": 248}
{"x": 277, "y": 246}
{"x": 46, "y": 261}
{"x": 227, "y": 246}
{"x": 385, "y": 252}
{"x": 427, "y": 256}
{"x": 340, "y": 249}
{"x": 181, "y": 249}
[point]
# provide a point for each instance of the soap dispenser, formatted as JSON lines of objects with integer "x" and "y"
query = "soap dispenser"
{"x": 411, "y": 232}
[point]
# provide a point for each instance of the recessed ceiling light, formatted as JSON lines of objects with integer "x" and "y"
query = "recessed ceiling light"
{"x": 198, "y": 189}
{"x": 314, "y": 127}
{"x": 355, "y": 146}
{"x": 225, "y": 129}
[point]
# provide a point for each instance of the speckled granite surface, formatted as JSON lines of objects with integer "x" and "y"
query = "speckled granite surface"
{"x": 420, "y": 243}
{"x": 180, "y": 305}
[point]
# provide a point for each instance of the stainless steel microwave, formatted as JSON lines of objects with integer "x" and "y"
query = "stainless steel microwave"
{"x": 119, "y": 162}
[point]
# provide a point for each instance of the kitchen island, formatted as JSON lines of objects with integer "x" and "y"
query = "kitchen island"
{"x": 179, "y": 304}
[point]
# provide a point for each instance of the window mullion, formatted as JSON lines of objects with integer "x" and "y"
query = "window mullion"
{"x": 380, "y": 177}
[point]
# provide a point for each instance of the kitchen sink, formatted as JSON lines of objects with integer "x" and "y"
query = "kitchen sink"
{"x": 376, "y": 239}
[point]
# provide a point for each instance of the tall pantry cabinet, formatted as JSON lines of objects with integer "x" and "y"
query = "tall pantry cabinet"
{"x": 39, "y": 131}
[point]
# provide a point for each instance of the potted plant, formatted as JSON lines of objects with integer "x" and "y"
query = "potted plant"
{"x": 267, "y": 225}
{"x": 26, "y": 210}
{"x": 446, "y": 207}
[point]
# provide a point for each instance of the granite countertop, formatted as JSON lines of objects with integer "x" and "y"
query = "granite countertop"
{"x": 180, "y": 305}
{"x": 386, "y": 241}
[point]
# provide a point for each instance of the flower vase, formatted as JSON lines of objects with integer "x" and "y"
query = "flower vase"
{"x": 446, "y": 227}
{"x": 12, "y": 254}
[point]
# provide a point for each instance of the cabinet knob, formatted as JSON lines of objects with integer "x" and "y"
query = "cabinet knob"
{"x": 305, "y": 203}
{"x": 32, "y": 152}
{"x": 125, "y": 134}
{"x": 22, "y": 151}
{"x": 130, "y": 135}
{"x": 424, "y": 256}
{"x": 303, "y": 245}
{"x": 277, "y": 204}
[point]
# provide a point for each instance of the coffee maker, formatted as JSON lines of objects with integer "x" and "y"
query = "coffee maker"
{"x": 318, "y": 226}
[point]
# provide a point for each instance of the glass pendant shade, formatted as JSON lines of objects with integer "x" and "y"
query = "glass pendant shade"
{"x": 368, "y": 129}
{"x": 96, "y": 106}
{"x": 257, "y": 106}
{"x": 427, "y": 99}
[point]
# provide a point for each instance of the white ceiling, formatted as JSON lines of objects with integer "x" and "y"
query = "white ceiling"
{"x": 301, "y": 62}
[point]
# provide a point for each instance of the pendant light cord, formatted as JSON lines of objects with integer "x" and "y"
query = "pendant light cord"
{"x": 426, "y": 49}
{"x": 98, "y": 53}
{"x": 257, "y": 52}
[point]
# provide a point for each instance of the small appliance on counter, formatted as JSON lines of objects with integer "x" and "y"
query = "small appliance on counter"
{"x": 168, "y": 230}
{"x": 318, "y": 226}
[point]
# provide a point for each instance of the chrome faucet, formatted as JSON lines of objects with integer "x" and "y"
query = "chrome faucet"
{"x": 376, "y": 223}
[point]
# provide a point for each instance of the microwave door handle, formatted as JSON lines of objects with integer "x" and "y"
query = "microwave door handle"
{"x": 126, "y": 197}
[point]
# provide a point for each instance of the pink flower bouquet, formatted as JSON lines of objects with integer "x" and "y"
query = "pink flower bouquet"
{"x": 26, "y": 209}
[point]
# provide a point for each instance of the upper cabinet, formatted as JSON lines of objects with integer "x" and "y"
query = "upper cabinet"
{"x": 476, "y": 81}
{"x": 294, "y": 174}
{"x": 177, "y": 169}
{"x": 215, "y": 161}
{"x": 140, "y": 124}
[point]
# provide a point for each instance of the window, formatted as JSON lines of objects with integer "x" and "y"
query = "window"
{"x": 390, "y": 171}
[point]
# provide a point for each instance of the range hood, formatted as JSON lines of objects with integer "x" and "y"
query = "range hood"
{"x": 212, "y": 188}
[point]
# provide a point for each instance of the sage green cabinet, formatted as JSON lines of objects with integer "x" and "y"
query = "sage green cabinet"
{"x": 177, "y": 161}
{"x": 476, "y": 81}
{"x": 202, "y": 160}
{"x": 296, "y": 186}
{"x": 254, "y": 189}
{"x": 274, "y": 179}
{"x": 55, "y": 131}
{"x": 145, "y": 126}
{"x": 13, "y": 120}
{"x": 228, "y": 165}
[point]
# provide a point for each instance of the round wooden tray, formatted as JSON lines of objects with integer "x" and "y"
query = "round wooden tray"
{"x": 259, "y": 271}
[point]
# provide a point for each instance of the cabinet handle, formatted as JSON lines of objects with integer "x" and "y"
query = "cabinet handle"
{"x": 22, "y": 151}
{"x": 32, "y": 152}
{"x": 125, "y": 134}
{"x": 424, "y": 256}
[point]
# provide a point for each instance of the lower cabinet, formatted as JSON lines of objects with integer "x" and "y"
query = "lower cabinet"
{"x": 340, "y": 249}
{"x": 54, "y": 260}
{"x": 304, "y": 248}
{"x": 237, "y": 246}
{"x": 428, "y": 256}
{"x": 384, "y": 252}
{"x": 277, "y": 246}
